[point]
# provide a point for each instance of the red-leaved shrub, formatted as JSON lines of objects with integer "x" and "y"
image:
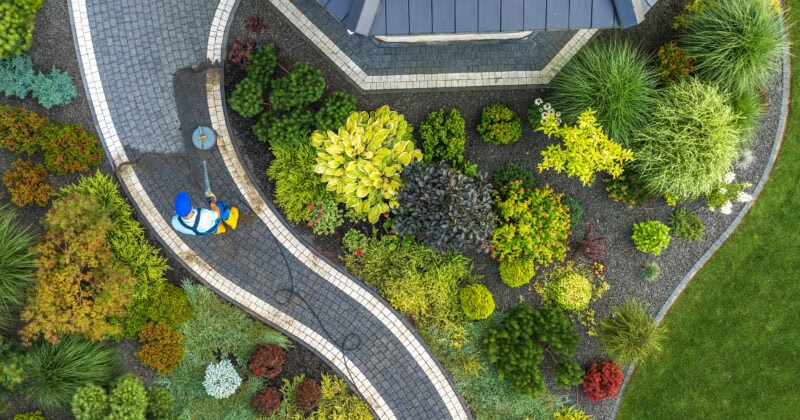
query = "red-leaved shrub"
{"x": 602, "y": 380}
{"x": 267, "y": 400}
{"x": 266, "y": 359}
{"x": 307, "y": 395}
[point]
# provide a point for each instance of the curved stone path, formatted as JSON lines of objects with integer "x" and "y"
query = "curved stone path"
{"x": 130, "y": 54}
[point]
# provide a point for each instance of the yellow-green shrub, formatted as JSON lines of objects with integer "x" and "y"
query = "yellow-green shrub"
{"x": 363, "y": 161}
{"x": 477, "y": 301}
{"x": 586, "y": 149}
{"x": 517, "y": 273}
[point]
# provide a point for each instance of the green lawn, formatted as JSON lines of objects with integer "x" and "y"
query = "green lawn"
{"x": 733, "y": 346}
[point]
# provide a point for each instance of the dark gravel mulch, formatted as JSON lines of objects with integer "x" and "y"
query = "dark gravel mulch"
{"x": 609, "y": 218}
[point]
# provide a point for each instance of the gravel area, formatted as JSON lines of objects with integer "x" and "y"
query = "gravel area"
{"x": 609, "y": 218}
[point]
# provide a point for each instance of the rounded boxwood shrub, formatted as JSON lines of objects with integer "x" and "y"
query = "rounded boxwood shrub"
{"x": 612, "y": 78}
{"x": 510, "y": 171}
{"x": 443, "y": 137}
{"x": 738, "y": 43}
{"x": 444, "y": 208}
{"x": 246, "y": 98}
{"x": 302, "y": 86}
{"x": 517, "y": 273}
{"x": 160, "y": 403}
{"x": 127, "y": 399}
{"x": 567, "y": 374}
{"x": 630, "y": 335}
{"x": 476, "y": 301}
{"x": 686, "y": 225}
{"x": 262, "y": 64}
{"x": 651, "y": 237}
{"x": 499, "y": 124}
{"x": 90, "y": 402}
{"x": 689, "y": 143}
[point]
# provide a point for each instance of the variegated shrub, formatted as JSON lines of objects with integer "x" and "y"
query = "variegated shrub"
{"x": 362, "y": 162}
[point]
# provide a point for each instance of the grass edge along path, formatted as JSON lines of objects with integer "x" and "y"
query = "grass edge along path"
{"x": 732, "y": 341}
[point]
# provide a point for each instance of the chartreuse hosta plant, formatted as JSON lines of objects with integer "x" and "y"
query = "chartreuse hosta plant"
{"x": 362, "y": 162}
{"x": 585, "y": 150}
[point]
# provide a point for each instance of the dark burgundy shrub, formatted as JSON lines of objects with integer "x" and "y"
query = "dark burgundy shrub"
{"x": 254, "y": 24}
{"x": 266, "y": 359}
{"x": 239, "y": 53}
{"x": 307, "y": 395}
{"x": 267, "y": 400}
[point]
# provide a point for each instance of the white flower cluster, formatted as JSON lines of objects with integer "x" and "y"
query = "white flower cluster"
{"x": 221, "y": 379}
{"x": 741, "y": 196}
{"x": 545, "y": 109}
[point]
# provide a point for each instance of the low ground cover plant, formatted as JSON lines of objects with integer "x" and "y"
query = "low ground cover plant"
{"x": 612, "y": 78}
{"x": 628, "y": 188}
{"x": 689, "y": 143}
{"x": 630, "y": 335}
{"x": 651, "y": 237}
{"x": 17, "y": 78}
{"x": 585, "y": 151}
{"x": 239, "y": 52}
{"x": 499, "y": 125}
{"x": 363, "y": 161}
{"x": 444, "y": 208}
{"x": 324, "y": 217}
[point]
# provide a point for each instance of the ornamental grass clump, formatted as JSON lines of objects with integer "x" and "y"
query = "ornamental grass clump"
{"x": 16, "y": 263}
{"x": 630, "y": 335}
{"x": 738, "y": 43}
{"x": 651, "y": 237}
{"x": 499, "y": 125}
{"x": 363, "y": 161}
{"x": 444, "y": 208}
{"x": 585, "y": 150}
{"x": 689, "y": 143}
{"x": 612, "y": 78}
{"x": 476, "y": 301}
{"x": 534, "y": 225}
{"x": 651, "y": 271}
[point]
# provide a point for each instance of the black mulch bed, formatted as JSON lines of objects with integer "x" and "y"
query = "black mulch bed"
{"x": 53, "y": 46}
{"x": 609, "y": 218}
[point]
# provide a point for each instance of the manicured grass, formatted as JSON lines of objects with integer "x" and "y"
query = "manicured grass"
{"x": 733, "y": 338}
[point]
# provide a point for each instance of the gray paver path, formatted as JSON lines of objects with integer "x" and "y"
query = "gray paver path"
{"x": 132, "y": 55}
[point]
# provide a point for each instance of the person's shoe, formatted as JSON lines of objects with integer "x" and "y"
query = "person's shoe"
{"x": 233, "y": 220}
{"x": 220, "y": 228}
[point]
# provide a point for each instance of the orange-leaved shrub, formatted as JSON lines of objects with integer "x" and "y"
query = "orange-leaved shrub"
{"x": 28, "y": 183}
{"x": 162, "y": 347}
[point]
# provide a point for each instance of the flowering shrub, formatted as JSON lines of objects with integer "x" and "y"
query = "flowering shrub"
{"x": 69, "y": 148}
{"x": 540, "y": 110}
{"x": 651, "y": 237}
{"x": 324, "y": 217}
{"x": 534, "y": 225}
{"x": 266, "y": 359}
{"x": 363, "y": 161}
{"x": 499, "y": 125}
{"x": 307, "y": 395}
{"x": 161, "y": 347}
{"x": 674, "y": 63}
{"x": 354, "y": 242}
{"x": 28, "y": 183}
{"x": 21, "y": 129}
{"x": 221, "y": 379}
{"x": 602, "y": 380}
{"x": 586, "y": 149}
{"x": 476, "y": 301}
{"x": 726, "y": 192}
{"x": 266, "y": 401}
{"x": 517, "y": 273}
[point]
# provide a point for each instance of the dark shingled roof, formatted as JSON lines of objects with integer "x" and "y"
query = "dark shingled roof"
{"x": 425, "y": 17}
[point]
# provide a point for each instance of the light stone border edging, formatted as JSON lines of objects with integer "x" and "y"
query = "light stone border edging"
{"x": 125, "y": 171}
{"x": 428, "y": 81}
{"x": 773, "y": 156}
{"x": 331, "y": 274}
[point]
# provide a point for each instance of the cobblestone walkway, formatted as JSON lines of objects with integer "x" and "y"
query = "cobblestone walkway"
{"x": 134, "y": 57}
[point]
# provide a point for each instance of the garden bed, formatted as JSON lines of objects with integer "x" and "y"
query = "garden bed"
{"x": 608, "y": 218}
